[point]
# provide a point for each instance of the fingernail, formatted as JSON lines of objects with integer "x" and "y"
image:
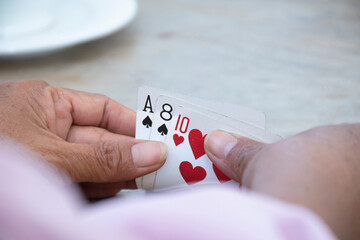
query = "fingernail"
{"x": 148, "y": 153}
{"x": 219, "y": 143}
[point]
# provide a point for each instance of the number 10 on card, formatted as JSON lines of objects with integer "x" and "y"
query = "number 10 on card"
{"x": 182, "y": 123}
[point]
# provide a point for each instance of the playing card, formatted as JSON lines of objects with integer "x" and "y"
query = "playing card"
{"x": 187, "y": 163}
{"x": 144, "y": 116}
{"x": 145, "y": 112}
{"x": 147, "y": 98}
{"x": 164, "y": 110}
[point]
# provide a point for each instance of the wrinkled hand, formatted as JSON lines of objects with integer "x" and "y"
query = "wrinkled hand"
{"x": 89, "y": 136}
{"x": 319, "y": 169}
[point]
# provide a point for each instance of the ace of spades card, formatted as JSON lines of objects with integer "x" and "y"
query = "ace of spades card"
{"x": 187, "y": 164}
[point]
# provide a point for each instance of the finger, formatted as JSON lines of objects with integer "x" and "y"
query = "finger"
{"x": 105, "y": 190}
{"x": 231, "y": 154}
{"x": 91, "y": 135}
{"x": 87, "y": 109}
{"x": 116, "y": 185}
{"x": 115, "y": 158}
{"x": 97, "y": 193}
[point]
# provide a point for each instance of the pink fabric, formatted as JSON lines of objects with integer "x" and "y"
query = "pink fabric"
{"x": 34, "y": 205}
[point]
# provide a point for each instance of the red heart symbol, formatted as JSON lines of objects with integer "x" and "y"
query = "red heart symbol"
{"x": 178, "y": 139}
{"x": 220, "y": 175}
{"x": 191, "y": 175}
{"x": 196, "y": 140}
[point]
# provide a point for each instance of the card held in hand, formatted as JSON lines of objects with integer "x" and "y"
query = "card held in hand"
{"x": 155, "y": 117}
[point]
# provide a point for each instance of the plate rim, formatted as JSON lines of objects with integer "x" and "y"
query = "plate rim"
{"x": 55, "y": 46}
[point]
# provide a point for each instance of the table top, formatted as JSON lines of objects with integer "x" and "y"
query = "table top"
{"x": 297, "y": 61}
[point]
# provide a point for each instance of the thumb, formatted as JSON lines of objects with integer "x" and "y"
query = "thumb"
{"x": 114, "y": 161}
{"x": 231, "y": 154}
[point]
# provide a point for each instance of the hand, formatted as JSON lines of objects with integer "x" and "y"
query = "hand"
{"x": 319, "y": 169}
{"x": 89, "y": 136}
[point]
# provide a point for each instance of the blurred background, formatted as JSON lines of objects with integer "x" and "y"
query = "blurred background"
{"x": 298, "y": 61}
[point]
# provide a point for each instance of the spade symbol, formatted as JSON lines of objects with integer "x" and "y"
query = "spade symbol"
{"x": 163, "y": 130}
{"x": 147, "y": 122}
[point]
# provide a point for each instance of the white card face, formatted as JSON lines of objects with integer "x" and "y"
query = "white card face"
{"x": 147, "y": 98}
{"x": 145, "y": 111}
{"x": 187, "y": 163}
{"x": 144, "y": 117}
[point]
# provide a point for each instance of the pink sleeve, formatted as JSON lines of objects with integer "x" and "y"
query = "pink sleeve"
{"x": 34, "y": 206}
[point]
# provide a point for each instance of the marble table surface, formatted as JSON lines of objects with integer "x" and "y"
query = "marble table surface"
{"x": 297, "y": 61}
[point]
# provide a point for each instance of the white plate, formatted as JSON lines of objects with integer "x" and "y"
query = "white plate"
{"x": 75, "y": 22}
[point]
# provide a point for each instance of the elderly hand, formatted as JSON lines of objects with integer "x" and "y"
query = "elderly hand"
{"x": 89, "y": 136}
{"x": 319, "y": 169}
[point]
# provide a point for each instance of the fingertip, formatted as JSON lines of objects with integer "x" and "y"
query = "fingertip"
{"x": 219, "y": 143}
{"x": 149, "y": 153}
{"x": 164, "y": 152}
